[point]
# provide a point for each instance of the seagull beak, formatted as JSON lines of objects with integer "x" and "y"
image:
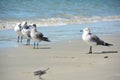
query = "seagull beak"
{"x": 81, "y": 30}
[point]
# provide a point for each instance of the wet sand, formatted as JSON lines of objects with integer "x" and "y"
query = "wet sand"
{"x": 67, "y": 60}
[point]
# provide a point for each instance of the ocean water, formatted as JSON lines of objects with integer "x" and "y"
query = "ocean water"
{"x": 56, "y": 34}
{"x": 60, "y": 12}
{"x": 63, "y": 18}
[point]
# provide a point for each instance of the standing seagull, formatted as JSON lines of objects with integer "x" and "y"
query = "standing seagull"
{"x": 37, "y": 36}
{"x": 88, "y": 37}
{"x": 26, "y": 31}
{"x": 18, "y": 29}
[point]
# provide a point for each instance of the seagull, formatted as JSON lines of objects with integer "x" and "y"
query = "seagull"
{"x": 24, "y": 24}
{"x": 18, "y": 29}
{"x": 91, "y": 39}
{"x": 37, "y": 36}
{"x": 40, "y": 72}
{"x": 26, "y": 31}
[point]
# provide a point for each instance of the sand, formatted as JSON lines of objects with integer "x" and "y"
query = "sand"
{"x": 67, "y": 60}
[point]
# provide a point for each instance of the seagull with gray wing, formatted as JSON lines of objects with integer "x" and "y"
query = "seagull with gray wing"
{"x": 91, "y": 39}
{"x": 37, "y": 36}
{"x": 26, "y": 31}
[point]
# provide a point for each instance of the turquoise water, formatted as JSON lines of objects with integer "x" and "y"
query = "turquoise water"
{"x": 58, "y": 8}
{"x": 60, "y": 12}
{"x": 8, "y": 38}
{"x": 63, "y": 18}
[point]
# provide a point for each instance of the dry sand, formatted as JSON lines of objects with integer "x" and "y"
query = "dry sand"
{"x": 67, "y": 61}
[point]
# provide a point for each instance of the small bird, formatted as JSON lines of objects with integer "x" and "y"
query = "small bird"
{"x": 91, "y": 39}
{"x": 26, "y": 31}
{"x": 18, "y": 29}
{"x": 37, "y": 36}
{"x": 24, "y": 24}
{"x": 40, "y": 72}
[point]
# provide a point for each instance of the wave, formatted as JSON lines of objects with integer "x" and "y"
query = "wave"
{"x": 75, "y": 20}
{"x": 57, "y": 21}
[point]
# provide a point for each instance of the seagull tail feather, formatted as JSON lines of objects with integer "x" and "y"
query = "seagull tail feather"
{"x": 45, "y": 39}
{"x": 107, "y": 44}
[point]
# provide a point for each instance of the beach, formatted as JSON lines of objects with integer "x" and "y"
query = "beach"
{"x": 66, "y": 55}
{"x": 67, "y": 60}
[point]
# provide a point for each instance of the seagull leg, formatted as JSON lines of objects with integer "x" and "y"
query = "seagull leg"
{"x": 21, "y": 39}
{"x": 40, "y": 77}
{"x": 37, "y": 44}
{"x": 18, "y": 39}
{"x": 90, "y": 51}
{"x": 34, "y": 45}
{"x": 28, "y": 42}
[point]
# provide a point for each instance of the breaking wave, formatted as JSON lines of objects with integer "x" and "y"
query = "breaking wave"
{"x": 75, "y": 20}
{"x": 56, "y": 21}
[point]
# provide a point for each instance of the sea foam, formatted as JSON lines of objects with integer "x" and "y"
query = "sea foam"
{"x": 56, "y": 21}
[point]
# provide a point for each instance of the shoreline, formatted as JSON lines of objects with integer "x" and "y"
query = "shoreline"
{"x": 9, "y": 23}
{"x": 10, "y": 42}
{"x": 17, "y": 45}
{"x": 67, "y": 60}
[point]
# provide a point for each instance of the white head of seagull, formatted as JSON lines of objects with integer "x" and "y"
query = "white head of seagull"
{"x": 34, "y": 27}
{"x": 86, "y": 30}
{"x": 17, "y": 28}
{"x": 88, "y": 37}
{"x": 24, "y": 24}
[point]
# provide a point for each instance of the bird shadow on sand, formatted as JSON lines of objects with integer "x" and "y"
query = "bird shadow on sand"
{"x": 39, "y": 47}
{"x": 43, "y": 48}
{"x": 40, "y": 78}
{"x": 104, "y": 52}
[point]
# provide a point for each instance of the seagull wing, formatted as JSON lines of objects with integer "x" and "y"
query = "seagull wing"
{"x": 28, "y": 33}
{"x": 94, "y": 38}
{"x": 97, "y": 40}
{"x": 39, "y": 35}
